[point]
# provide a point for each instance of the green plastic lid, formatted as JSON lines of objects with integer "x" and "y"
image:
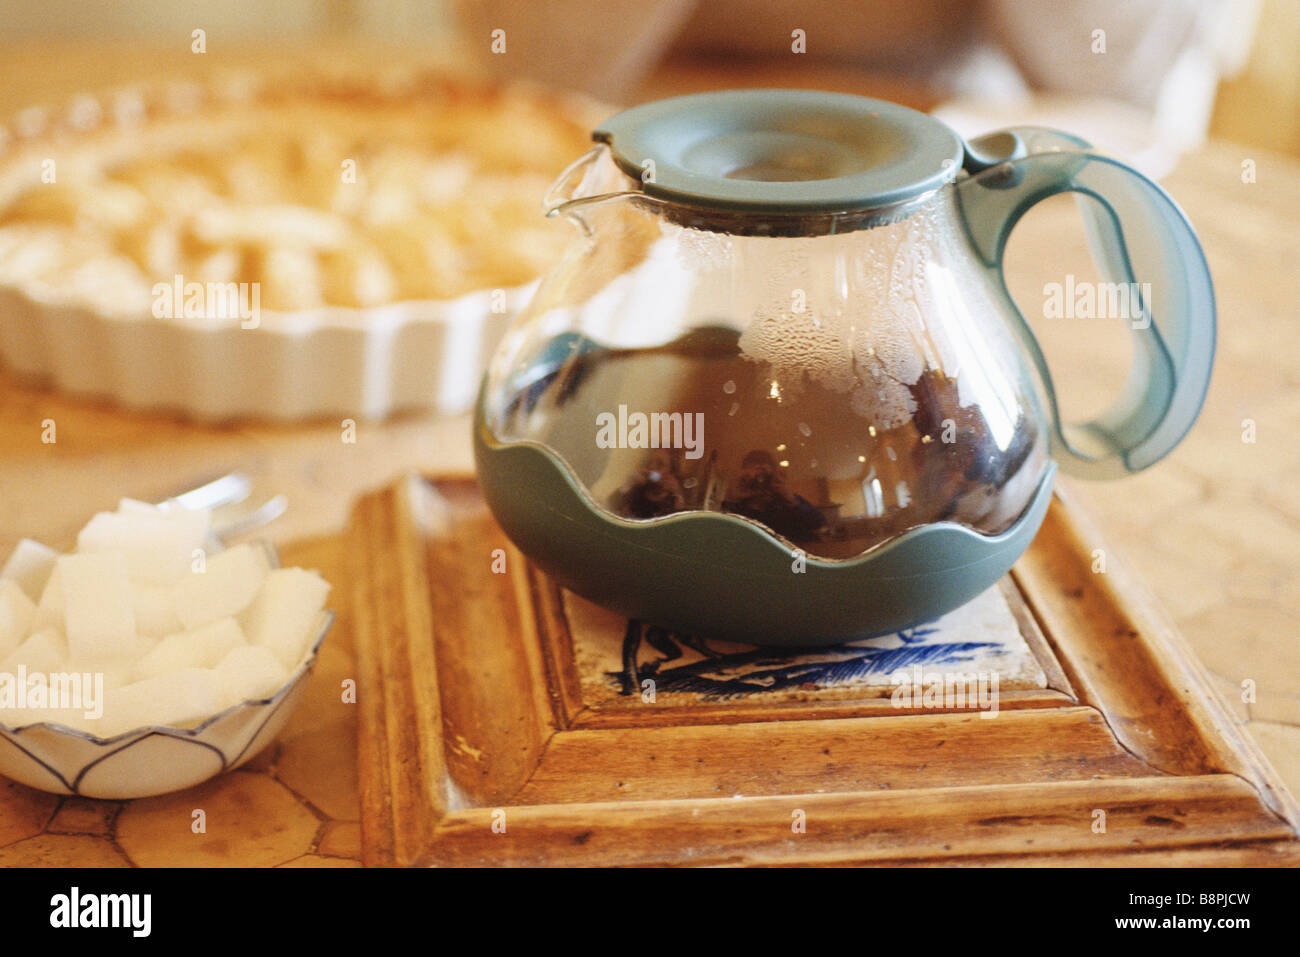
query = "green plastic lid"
{"x": 782, "y": 151}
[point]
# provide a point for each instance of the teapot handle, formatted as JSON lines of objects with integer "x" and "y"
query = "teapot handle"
{"x": 1139, "y": 238}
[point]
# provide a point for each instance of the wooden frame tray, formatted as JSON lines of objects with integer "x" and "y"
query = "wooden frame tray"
{"x": 481, "y": 743}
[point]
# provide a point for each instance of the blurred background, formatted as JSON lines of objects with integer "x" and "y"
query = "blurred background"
{"x": 1146, "y": 78}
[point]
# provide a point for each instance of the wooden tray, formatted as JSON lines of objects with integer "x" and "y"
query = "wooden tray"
{"x": 484, "y": 739}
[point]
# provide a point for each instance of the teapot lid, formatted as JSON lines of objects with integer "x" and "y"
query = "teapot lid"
{"x": 782, "y": 151}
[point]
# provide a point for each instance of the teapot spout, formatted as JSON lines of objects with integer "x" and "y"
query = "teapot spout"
{"x": 592, "y": 178}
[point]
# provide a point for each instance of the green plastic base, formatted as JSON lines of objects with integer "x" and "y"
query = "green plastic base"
{"x": 722, "y": 576}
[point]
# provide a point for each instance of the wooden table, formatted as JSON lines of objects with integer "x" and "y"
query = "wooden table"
{"x": 1215, "y": 529}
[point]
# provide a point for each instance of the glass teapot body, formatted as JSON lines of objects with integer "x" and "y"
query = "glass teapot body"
{"x": 836, "y": 387}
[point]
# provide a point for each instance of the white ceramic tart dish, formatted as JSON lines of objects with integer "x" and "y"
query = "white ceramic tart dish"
{"x": 287, "y": 248}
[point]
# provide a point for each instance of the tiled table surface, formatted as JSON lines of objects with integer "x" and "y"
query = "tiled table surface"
{"x": 1214, "y": 530}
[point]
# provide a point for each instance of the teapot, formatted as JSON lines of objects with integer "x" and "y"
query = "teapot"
{"x": 777, "y": 391}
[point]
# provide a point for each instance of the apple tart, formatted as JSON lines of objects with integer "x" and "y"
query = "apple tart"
{"x": 298, "y": 247}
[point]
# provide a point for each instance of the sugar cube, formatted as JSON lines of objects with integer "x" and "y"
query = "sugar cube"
{"x": 30, "y": 565}
{"x": 250, "y": 672}
{"x": 116, "y": 673}
{"x": 109, "y": 531}
{"x": 28, "y": 690}
{"x": 44, "y": 652}
{"x": 175, "y": 699}
{"x": 49, "y": 610}
{"x": 17, "y": 612}
{"x": 158, "y": 544}
{"x": 155, "y": 610}
{"x": 97, "y": 605}
{"x": 203, "y": 647}
{"x": 117, "y": 669}
{"x": 225, "y": 587}
{"x": 284, "y": 615}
